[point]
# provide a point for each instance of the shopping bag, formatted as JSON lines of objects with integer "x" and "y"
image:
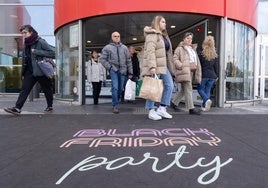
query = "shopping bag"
{"x": 152, "y": 89}
{"x": 138, "y": 87}
{"x": 130, "y": 90}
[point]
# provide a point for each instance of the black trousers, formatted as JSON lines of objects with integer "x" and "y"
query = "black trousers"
{"x": 96, "y": 91}
{"x": 27, "y": 84}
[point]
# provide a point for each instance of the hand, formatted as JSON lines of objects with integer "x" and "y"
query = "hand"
{"x": 130, "y": 76}
{"x": 33, "y": 50}
{"x": 152, "y": 71}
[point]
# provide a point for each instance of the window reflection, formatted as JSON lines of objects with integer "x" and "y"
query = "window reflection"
{"x": 240, "y": 61}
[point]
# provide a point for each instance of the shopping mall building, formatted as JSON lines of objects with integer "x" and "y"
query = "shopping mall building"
{"x": 83, "y": 26}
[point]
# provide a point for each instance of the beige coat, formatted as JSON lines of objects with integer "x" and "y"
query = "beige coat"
{"x": 155, "y": 53}
{"x": 182, "y": 65}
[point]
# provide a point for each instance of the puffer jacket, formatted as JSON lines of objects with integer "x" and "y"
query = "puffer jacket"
{"x": 41, "y": 50}
{"x": 117, "y": 57}
{"x": 182, "y": 65}
{"x": 155, "y": 53}
{"x": 95, "y": 71}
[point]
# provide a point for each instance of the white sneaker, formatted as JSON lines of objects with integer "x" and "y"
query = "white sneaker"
{"x": 203, "y": 109}
{"x": 208, "y": 104}
{"x": 162, "y": 111}
{"x": 153, "y": 115}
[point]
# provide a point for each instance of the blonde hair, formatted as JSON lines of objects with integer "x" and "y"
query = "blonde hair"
{"x": 156, "y": 24}
{"x": 209, "y": 51}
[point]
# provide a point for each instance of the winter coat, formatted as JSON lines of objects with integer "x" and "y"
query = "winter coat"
{"x": 155, "y": 55}
{"x": 182, "y": 65}
{"x": 95, "y": 71}
{"x": 41, "y": 50}
{"x": 117, "y": 57}
{"x": 209, "y": 68}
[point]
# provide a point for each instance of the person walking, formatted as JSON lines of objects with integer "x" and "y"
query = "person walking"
{"x": 116, "y": 59}
{"x": 35, "y": 49}
{"x": 96, "y": 74}
{"x": 135, "y": 63}
{"x": 188, "y": 71}
{"x": 158, "y": 61}
{"x": 209, "y": 63}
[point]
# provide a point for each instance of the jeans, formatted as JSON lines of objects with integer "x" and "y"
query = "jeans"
{"x": 118, "y": 81}
{"x": 167, "y": 92}
{"x": 204, "y": 89}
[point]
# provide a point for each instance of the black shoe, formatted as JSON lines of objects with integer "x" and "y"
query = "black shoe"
{"x": 194, "y": 111}
{"x": 175, "y": 107}
{"x": 48, "y": 109}
{"x": 13, "y": 110}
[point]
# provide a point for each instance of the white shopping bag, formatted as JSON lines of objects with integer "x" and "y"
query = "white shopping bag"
{"x": 130, "y": 90}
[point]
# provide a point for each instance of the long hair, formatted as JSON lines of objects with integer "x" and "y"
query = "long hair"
{"x": 156, "y": 24}
{"x": 209, "y": 51}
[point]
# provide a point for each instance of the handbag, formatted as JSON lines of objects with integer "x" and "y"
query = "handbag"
{"x": 193, "y": 67}
{"x": 130, "y": 90}
{"x": 47, "y": 66}
{"x": 152, "y": 88}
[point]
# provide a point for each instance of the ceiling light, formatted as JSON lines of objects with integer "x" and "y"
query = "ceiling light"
{"x": 134, "y": 38}
{"x": 89, "y": 41}
{"x": 173, "y": 26}
{"x": 209, "y": 32}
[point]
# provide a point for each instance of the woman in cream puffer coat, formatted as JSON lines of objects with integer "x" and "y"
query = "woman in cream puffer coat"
{"x": 158, "y": 60}
{"x": 184, "y": 55}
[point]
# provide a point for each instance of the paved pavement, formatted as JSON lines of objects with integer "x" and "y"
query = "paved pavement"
{"x": 88, "y": 146}
{"x": 66, "y": 107}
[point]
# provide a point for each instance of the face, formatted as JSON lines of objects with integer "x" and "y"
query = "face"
{"x": 188, "y": 40}
{"x": 115, "y": 37}
{"x": 131, "y": 50}
{"x": 94, "y": 54}
{"x": 162, "y": 24}
{"x": 25, "y": 33}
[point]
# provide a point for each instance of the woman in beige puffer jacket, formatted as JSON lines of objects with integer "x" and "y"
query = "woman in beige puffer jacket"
{"x": 158, "y": 60}
{"x": 184, "y": 55}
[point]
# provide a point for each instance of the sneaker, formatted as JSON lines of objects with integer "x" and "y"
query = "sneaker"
{"x": 48, "y": 109}
{"x": 115, "y": 110}
{"x": 194, "y": 111}
{"x": 162, "y": 111}
{"x": 174, "y": 107}
{"x": 203, "y": 109}
{"x": 153, "y": 115}
{"x": 13, "y": 110}
{"x": 208, "y": 104}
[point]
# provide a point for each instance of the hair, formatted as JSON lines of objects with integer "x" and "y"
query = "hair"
{"x": 188, "y": 34}
{"x": 156, "y": 24}
{"x": 28, "y": 28}
{"x": 209, "y": 51}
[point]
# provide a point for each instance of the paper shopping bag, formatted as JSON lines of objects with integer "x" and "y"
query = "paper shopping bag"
{"x": 152, "y": 89}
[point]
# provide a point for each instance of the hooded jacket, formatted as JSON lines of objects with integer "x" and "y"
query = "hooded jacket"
{"x": 155, "y": 55}
{"x": 116, "y": 56}
{"x": 182, "y": 65}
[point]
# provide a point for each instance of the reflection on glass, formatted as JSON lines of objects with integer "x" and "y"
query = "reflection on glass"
{"x": 240, "y": 61}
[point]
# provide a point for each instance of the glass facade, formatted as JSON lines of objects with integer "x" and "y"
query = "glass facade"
{"x": 14, "y": 14}
{"x": 67, "y": 62}
{"x": 240, "y": 53}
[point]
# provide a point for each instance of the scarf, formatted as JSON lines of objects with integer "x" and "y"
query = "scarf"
{"x": 31, "y": 39}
